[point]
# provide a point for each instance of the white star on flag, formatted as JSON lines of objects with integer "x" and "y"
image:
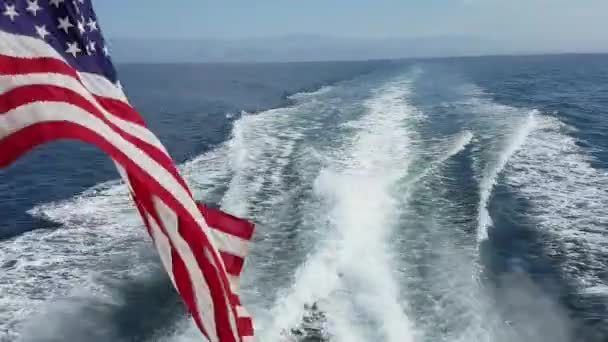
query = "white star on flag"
{"x": 33, "y": 7}
{"x": 73, "y": 48}
{"x": 91, "y": 48}
{"x": 65, "y": 24}
{"x": 81, "y": 27}
{"x": 41, "y": 31}
{"x": 92, "y": 24}
{"x": 10, "y": 11}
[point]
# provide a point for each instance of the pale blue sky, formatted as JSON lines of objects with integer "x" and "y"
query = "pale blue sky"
{"x": 555, "y": 20}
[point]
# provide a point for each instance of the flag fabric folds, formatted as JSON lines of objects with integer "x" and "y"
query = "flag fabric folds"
{"x": 57, "y": 81}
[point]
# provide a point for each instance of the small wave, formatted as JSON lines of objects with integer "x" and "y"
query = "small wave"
{"x": 460, "y": 143}
{"x": 305, "y": 95}
{"x": 456, "y": 144}
{"x": 490, "y": 177}
{"x": 260, "y": 148}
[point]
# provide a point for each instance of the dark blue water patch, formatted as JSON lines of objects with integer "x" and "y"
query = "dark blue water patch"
{"x": 220, "y": 88}
{"x": 589, "y": 133}
{"x": 442, "y": 94}
{"x": 43, "y": 175}
{"x": 148, "y": 307}
{"x": 137, "y": 310}
{"x": 514, "y": 243}
{"x": 516, "y": 253}
{"x": 521, "y": 277}
{"x": 439, "y": 84}
{"x": 9, "y": 264}
{"x": 461, "y": 189}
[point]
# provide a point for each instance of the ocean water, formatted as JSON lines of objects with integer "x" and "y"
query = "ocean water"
{"x": 423, "y": 200}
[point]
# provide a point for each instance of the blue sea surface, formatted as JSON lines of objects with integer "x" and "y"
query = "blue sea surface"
{"x": 455, "y": 199}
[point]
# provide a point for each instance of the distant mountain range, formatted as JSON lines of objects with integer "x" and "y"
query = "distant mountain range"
{"x": 315, "y": 48}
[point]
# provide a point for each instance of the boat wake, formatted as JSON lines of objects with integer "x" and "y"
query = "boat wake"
{"x": 371, "y": 210}
{"x": 490, "y": 177}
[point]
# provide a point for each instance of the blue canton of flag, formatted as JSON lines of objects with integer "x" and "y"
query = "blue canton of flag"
{"x": 70, "y": 26}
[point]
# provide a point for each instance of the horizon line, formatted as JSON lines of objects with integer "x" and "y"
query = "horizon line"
{"x": 400, "y": 59}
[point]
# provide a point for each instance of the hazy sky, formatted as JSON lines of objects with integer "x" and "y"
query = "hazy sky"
{"x": 567, "y": 20}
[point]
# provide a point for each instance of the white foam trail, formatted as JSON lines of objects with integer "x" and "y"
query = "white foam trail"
{"x": 352, "y": 269}
{"x": 461, "y": 142}
{"x": 568, "y": 198}
{"x": 457, "y": 145}
{"x": 490, "y": 177}
{"x": 260, "y": 149}
{"x": 256, "y": 155}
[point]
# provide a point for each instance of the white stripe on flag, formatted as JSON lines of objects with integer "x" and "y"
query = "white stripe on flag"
{"x": 101, "y": 86}
{"x": 241, "y": 311}
{"x": 230, "y": 243}
{"x": 16, "y": 45}
{"x": 163, "y": 246}
{"x": 235, "y": 282}
{"x": 8, "y": 82}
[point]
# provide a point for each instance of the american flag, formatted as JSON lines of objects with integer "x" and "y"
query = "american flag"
{"x": 57, "y": 81}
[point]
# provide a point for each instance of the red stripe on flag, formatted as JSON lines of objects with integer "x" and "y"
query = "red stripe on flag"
{"x": 234, "y": 299}
{"x": 120, "y": 109}
{"x": 233, "y": 263}
{"x": 227, "y": 223}
{"x": 245, "y": 326}
{"x": 17, "y": 65}
{"x": 140, "y": 209}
